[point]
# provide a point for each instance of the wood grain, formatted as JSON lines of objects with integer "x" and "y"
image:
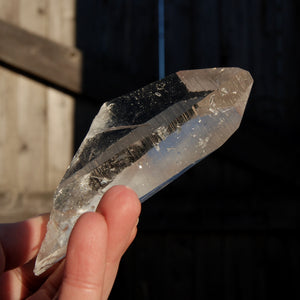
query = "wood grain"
{"x": 37, "y": 125}
{"x": 60, "y": 107}
{"x": 53, "y": 62}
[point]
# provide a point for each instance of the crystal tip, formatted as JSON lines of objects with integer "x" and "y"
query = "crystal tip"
{"x": 44, "y": 262}
{"x": 53, "y": 249}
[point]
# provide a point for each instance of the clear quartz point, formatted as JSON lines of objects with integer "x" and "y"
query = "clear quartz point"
{"x": 145, "y": 140}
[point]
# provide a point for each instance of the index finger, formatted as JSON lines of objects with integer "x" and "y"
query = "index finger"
{"x": 85, "y": 260}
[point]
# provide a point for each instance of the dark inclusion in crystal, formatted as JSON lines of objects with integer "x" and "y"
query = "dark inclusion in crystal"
{"x": 135, "y": 108}
{"x": 145, "y": 140}
{"x": 122, "y": 160}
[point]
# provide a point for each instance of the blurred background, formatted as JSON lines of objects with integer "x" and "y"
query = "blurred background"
{"x": 229, "y": 227}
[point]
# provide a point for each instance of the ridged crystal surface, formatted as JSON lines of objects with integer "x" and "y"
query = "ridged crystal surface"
{"x": 144, "y": 140}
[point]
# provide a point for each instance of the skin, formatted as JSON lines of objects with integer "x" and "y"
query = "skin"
{"x": 97, "y": 243}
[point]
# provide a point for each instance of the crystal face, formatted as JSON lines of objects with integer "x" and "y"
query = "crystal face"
{"x": 144, "y": 140}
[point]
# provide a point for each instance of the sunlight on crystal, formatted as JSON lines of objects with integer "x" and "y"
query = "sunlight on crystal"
{"x": 145, "y": 140}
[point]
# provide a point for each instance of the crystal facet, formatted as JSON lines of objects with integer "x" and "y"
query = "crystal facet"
{"x": 145, "y": 140}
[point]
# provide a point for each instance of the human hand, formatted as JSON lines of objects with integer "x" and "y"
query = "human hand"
{"x": 95, "y": 248}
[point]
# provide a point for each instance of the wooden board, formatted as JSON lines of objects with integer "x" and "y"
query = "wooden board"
{"x": 40, "y": 57}
{"x": 60, "y": 107}
{"x": 8, "y": 131}
{"x": 37, "y": 128}
{"x": 63, "y": 67}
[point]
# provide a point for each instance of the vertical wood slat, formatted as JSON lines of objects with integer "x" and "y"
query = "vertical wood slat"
{"x": 36, "y": 132}
{"x": 2, "y": 134}
{"x": 61, "y": 16}
{"x": 32, "y": 122}
{"x": 9, "y": 141}
{"x": 31, "y": 119}
{"x": 9, "y": 11}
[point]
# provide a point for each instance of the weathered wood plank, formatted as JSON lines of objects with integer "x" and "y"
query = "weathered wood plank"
{"x": 60, "y": 110}
{"x": 31, "y": 126}
{"x": 53, "y": 62}
{"x": 8, "y": 131}
{"x": 64, "y": 67}
{"x": 9, "y": 11}
{"x": 60, "y": 107}
{"x": 37, "y": 128}
{"x": 32, "y": 113}
{"x": 2, "y": 134}
{"x": 61, "y": 16}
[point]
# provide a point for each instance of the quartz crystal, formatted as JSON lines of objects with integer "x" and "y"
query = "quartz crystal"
{"x": 145, "y": 140}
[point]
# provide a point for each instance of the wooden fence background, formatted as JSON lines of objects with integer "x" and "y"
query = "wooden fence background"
{"x": 229, "y": 228}
{"x": 36, "y": 122}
